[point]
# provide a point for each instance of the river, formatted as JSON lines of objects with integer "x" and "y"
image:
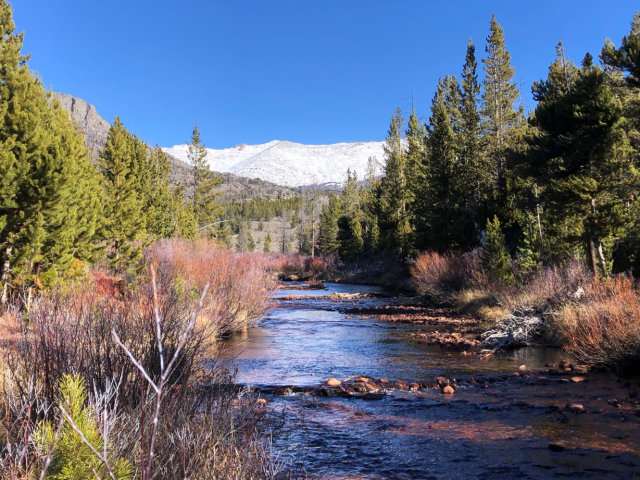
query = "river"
{"x": 502, "y": 421}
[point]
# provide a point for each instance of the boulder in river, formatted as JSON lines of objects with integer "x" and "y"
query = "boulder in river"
{"x": 448, "y": 390}
{"x": 334, "y": 382}
{"x": 580, "y": 369}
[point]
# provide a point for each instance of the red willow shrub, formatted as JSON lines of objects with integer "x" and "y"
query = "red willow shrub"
{"x": 439, "y": 277}
{"x": 604, "y": 327}
{"x": 69, "y": 328}
{"x": 295, "y": 266}
{"x": 238, "y": 285}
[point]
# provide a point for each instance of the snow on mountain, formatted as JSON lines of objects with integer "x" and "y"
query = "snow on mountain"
{"x": 291, "y": 164}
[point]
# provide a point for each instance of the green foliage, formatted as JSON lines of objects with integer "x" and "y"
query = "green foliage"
{"x": 495, "y": 258}
{"x": 124, "y": 227}
{"x": 328, "y": 231}
{"x": 267, "y": 244}
{"x": 349, "y": 238}
{"x": 529, "y": 255}
{"x": 395, "y": 230}
{"x": 49, "y": 190}
{"x": 500, "y": 94}
{"x": 72, "y": 458}
{"x": 206, "y": 210}
{"x": 625, "y": 58}
{"x": 474, "y": 164}
{"x": 582, "y": 158}
{"x": 251, "y": 244}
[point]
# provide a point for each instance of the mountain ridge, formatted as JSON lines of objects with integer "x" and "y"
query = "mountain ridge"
{"x": 292, "y": 164}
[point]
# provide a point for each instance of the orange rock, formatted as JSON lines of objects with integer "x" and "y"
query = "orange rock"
{"x": 262, "y": 401}
{"x": 448, "y": 390}
{"x": 333, "y": 382}
{"x": 578, "y": 379}
{"x": 522, "y": 368}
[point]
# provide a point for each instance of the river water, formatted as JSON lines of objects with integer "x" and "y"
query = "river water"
{"x": 497, "y": 424}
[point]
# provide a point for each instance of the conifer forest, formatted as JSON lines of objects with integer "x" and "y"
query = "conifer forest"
{"x": 467, "y": 309}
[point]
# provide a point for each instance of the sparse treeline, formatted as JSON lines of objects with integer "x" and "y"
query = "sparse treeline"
{"x": 549, "y": 185}
{"x": 290, "y": 223}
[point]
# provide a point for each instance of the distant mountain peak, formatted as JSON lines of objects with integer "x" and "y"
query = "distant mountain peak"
{"x": 291, "y": 164}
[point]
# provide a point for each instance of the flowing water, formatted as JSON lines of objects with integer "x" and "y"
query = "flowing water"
{"x": 498, "y": 425}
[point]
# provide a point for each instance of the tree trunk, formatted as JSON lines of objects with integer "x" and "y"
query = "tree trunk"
{"x": 600, "y": 251}
{"x": 592, "y": 257}
{"x": 5, "y": 275}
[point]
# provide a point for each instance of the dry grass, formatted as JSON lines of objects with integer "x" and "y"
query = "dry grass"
{"x": 604, "y": 327}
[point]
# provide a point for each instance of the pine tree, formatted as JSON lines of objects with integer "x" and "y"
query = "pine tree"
{"x": 267, "y": 244}
{"x": 72, "y": 458}
{"x": 474, "y": 169}
{"x": 203, "y": 183}
{"x": 49, "y": 190}
{"x": 159, "y": 202}
{"x": 495, "y": 257}
{"x": 350, "y": 238}
{"x": 370, "y": 198}
{"x": 251, "y": 244}
{"x": 530, "y": 249}
{"x": 328, "y": 230}
{"x": 441, "y": 194}
{"x": 125, "y": 224}
{"x": 394, "y": 226}
{"x": 182, "y": 219}
{"x": 625, "y": 58}
{"x": 582, "y": 159}
{"x": 417, "y": 144}
{"x": 499, "y": 97}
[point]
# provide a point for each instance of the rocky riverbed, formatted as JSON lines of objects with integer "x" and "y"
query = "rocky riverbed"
{"x": 379, "y": 388}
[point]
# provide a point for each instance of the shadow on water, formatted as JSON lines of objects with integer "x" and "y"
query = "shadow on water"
{"x": 501, "y": 429}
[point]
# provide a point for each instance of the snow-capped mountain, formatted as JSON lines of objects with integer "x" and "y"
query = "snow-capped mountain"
{"x": 291, "y": 164}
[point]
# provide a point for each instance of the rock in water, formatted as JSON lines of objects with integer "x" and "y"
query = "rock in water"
{"x": 448, "y": 390}
{"x": 334, "y": 382}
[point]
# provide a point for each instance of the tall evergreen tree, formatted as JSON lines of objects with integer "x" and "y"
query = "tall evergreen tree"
{"x": 625, "y": 58}
{"x": 328, "y": 229}
{"x": 474, "y": 168}
{"x": 159, "y": 205}
{"x": 49, "y": 190}
{"x": 582, "y": 159}
{"x": 203, "y": 183}
{"x": 499, "y": 98}
{"x": 417, "y": 145}
{"x": 495, "y": 257}
{"x": 370, "y": 198}
{"x": 394, "y": 226}
{"x": 442, "y": 210}
{"x": 125, "y": 224}
{"x": 350, "y": 237}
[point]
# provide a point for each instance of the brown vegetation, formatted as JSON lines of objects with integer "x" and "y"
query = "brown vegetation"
{"x": 604, "y": 327}
{"x": 597, "y": 320}
{"x": 144, "y": 351}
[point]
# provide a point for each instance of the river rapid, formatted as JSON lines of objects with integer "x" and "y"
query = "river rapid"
{"x": 512, "y": 416}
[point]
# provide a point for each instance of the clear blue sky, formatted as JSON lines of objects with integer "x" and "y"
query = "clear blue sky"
{"x": 308, "y": 71}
